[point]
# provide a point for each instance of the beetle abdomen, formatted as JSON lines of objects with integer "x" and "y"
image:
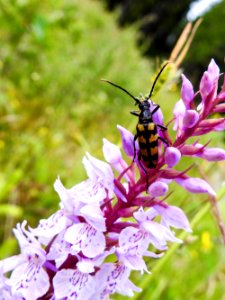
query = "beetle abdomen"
{"x": 148, "y": 143}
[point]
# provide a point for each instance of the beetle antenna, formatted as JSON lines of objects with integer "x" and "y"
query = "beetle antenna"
{"x": 157, "y": 77}
{"x": 119, "y": 87}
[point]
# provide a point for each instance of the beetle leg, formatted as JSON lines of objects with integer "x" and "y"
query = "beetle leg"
{"x": 163, "y": 128}
{"x": 155, "y": 109}
{"x": 135, "y": 137}
{"x": 143, "y": 168}
{"x": 163, "y": 140}
{"x": 135, "y": 113}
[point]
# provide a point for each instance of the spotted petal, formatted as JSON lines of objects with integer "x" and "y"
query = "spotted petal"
{"x": 85, "y": 238}
{"x": 71, "y": 284}
{"x": 29, "y": 281}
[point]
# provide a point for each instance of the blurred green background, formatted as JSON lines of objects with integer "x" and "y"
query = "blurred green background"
{"x": 54, "y": 108}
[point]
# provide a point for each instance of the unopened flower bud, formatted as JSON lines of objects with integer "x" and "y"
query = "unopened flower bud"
{"x": 191, "y": 117}
{"x": 212, "y": 154}
{"x": 172, "y": 156}
{"x": 187, "y": 91}
{"x": 179, "y": 112}
{"x": 206, "y": 85}
{"x": 213, "y": 69}
{"x": 195, "y": 185}
{"x": 158, "y": 189}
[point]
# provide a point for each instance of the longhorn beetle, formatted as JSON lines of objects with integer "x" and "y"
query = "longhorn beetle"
{"x": 147, "y": 133}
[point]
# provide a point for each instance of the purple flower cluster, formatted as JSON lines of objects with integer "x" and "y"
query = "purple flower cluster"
{"x": 106, "y": 224}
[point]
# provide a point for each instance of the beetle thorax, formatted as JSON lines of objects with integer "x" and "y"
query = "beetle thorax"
{"x": 145, "y": 115}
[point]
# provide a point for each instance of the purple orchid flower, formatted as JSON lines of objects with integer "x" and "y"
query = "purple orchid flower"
{"x": 111, "y": 213}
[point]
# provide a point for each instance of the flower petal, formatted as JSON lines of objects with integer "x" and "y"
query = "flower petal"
{"x": 56, "y": 223}
{"x": 127, "y": 141}
{"x": 133, "y": 241}
{"x": 173, "y": 216}
{"x": 29, "y": 281}
{"x": 72, "y": 284}
{"x": 93, "y": 216}
{"x": 112, "y": 278}
{"x": 85, "y": 238}
{"x": 111, "y": 152}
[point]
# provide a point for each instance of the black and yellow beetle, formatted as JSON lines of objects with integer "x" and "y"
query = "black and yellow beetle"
{"x": 147, "y": 131}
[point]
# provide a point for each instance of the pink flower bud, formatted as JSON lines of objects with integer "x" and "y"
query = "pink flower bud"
{"x": 191, "y": 149}
{"x": 187, "y": 91}
{"x": 191, "y": 117}
{"x": 206, "y": 84}
{"x": 212, "y": 125}
{"x": 172, "y": 156}
{"x": 179, "y": 112}
{"x": 158, "y": 188}
{"x": 195, "y": 185}
{"x": 212, "y": 154}
{"x": 213, "y": 69}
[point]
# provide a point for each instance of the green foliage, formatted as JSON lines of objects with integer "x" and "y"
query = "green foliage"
{"x": 53, "y": 105}
{"x": 53, "y": 108}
